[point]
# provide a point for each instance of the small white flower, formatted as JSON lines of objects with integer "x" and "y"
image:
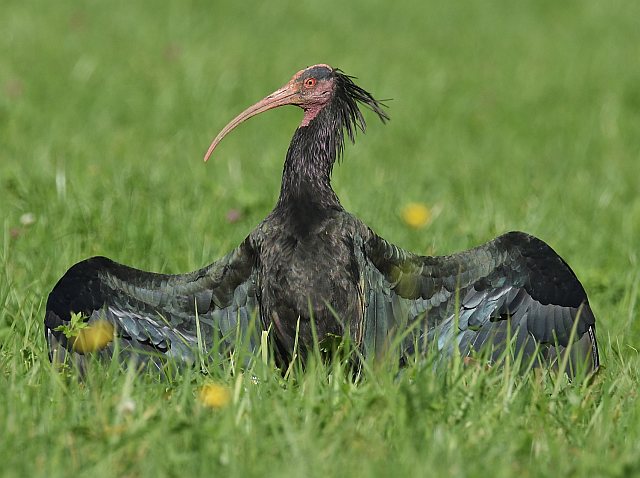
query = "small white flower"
{"x": 27, "y": 219}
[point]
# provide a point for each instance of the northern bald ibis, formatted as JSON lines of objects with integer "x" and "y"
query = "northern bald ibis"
{"x": 310, "y": 263}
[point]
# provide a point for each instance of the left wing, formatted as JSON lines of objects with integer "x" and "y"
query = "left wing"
{"x": 514, "y": 287}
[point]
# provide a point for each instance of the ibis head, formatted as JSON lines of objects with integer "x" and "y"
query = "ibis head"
{"x": 313, "y": 89}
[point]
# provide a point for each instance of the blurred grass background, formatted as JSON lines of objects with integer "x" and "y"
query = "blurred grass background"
{"x": 505, "y": 115}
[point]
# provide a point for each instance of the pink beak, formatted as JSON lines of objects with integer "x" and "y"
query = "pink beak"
{"x": 287, "y": 95}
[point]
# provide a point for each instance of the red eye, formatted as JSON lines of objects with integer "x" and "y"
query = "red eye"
{"x": 309, "y": 82}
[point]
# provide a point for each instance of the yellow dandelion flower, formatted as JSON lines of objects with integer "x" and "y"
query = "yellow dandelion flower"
{"x": 416, "y": 215}
{"x": 93, "y": 337}
{"x": 214, "y": 395}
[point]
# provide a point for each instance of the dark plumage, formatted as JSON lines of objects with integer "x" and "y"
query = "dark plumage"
{"x": 310, "y": 263}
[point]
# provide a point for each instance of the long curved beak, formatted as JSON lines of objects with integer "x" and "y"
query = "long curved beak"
{"x": 287, "y": 95}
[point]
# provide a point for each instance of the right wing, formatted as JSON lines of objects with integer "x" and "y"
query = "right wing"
{"x": 156, "y": 313}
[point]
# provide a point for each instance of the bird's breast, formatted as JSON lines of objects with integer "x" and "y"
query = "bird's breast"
{"x": 308, "y": 282}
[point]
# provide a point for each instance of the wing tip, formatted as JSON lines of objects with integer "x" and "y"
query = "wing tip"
{"x": 78, "y": 290}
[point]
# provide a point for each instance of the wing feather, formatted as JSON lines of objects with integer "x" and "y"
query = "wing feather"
{"x": 157, "y": 312}
{"x": 515, "y": 285}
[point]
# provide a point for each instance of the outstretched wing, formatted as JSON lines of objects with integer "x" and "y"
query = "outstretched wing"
{"x": 514, "y": 287}
{"x": 158, "y": 313}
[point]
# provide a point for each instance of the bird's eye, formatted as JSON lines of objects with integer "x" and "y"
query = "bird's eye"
{"x": 309, "y": 82}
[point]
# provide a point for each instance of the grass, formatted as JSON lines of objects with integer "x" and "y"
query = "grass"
{"x": 505, "y": 116}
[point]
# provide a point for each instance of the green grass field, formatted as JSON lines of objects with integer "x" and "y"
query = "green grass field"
{"x": 505, "y": 115}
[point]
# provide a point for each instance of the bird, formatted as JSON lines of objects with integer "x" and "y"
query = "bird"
{"x": 312, "y": 272}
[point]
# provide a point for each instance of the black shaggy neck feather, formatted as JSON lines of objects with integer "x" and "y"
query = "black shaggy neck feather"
{"x": 306, "y": 178}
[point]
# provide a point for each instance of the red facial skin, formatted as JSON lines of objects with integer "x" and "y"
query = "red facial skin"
{"x": 307, "y": 92}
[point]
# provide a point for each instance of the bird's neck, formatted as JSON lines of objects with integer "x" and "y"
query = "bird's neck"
{"x": 306, "y": 178}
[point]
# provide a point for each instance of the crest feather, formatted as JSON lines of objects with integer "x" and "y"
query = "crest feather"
{"x": 348, "y": 96}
